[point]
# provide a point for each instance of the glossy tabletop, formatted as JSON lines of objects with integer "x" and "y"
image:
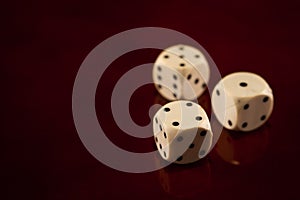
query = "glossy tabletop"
{"x": 43, "y": 46}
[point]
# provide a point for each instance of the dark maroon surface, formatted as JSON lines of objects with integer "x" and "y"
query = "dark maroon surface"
{"x": 43, "y": 45}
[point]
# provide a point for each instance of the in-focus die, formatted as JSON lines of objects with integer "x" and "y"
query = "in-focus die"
{"x": 242, "y": 101}
{"x": 182, "y": 132}
{"x": 181, "y": 72}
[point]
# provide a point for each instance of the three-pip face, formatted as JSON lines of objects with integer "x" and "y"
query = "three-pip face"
{"x": 241, "y": 101}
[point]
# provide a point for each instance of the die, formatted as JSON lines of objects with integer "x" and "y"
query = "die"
{"x": 182, "y": 132}
{"x": 242, "y": 101}
{"x": 181, "y": 72}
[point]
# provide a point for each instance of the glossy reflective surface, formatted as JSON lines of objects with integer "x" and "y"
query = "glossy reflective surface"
{"x": 44, "y": 45}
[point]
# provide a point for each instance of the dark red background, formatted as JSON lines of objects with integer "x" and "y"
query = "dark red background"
{"x": 43, "y": 45}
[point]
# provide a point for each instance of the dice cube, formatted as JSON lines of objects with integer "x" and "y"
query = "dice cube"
{"x": 242, "y": 101}
{"x": 182, "y": 132}
{"x": 181, "y": 72}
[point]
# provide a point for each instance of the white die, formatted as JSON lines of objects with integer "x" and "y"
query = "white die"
{"x": 182, "y": 132}
{"x": 181, "y": 72}
{"x": 248, "y": 101}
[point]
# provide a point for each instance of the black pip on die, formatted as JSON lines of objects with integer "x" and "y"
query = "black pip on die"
{"x": 181, "y": 72}
{"x": 182, "y": 132}
{"x": 242, "y": 101}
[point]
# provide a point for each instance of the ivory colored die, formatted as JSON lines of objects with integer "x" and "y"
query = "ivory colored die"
{"x": 242, "y": 101}
{"x": 182, "y": 132}
{"x": 181, "y": 72}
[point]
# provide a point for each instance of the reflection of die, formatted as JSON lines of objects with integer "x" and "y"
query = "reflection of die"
{"x": 248, "y": 101}
{"x": 182, "y": 132}
{"x": 181, "y": 72}
{"x": 237, "y": 148}
{"x": 186, "y": 182}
